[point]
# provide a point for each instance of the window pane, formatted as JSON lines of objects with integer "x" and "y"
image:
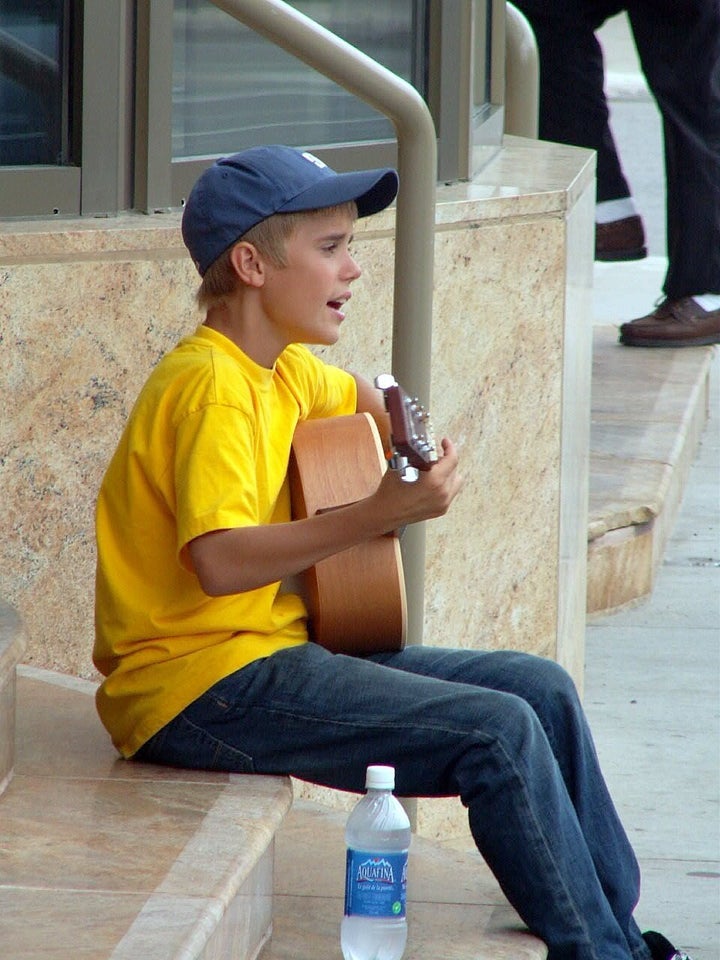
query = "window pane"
{"x": 483, "y": 49}
{"x": 233, "y": 89}
{"x": 33, "y": 82}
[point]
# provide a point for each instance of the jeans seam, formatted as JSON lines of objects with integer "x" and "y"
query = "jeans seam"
{"x": 218, "y": 742}
{"x": 543, "y": 850}
{"x": 365, "y": 722}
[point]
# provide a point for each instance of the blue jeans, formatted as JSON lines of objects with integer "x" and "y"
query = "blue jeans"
{"x": 503, "y": 730}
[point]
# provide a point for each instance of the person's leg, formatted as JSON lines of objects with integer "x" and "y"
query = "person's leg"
{"x": 551, "y": 693}
{"x": 679, "y": 49}
{"x": 573, "y": 110}
{"x": 324, "y": 718}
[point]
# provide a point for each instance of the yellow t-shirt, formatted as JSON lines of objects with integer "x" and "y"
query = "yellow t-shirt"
{"x": 206, "y": 448}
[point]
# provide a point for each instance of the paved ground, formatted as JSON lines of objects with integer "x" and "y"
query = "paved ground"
{"x": 653, "y": 672}
{"x": 652, "y": 693}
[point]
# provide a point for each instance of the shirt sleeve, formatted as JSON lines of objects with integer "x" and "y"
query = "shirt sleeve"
{"x": 214, "y": 452}
{"x": 231, "y": 454}
{"x": 322, "y": 390}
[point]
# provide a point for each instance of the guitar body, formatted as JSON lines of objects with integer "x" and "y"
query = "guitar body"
{"x": 356, "y": 598}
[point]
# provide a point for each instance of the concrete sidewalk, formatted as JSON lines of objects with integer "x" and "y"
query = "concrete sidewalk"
{"x": 652, "y": 683}
{"x": 652, "y": 688}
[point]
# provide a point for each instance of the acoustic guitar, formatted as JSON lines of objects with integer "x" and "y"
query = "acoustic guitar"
{"x": 356, "y": 598}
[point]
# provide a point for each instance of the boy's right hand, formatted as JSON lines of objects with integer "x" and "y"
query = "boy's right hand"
{"x": 429, "y": 496}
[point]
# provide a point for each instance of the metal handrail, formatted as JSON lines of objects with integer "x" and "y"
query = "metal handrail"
{"x": 522, "y": 75}
{"x": 415, "y": 213}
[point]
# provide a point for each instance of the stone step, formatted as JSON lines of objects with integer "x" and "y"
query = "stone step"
{"x": 649, "y": 408}
{"x": 12, "y": 646}
{"x": 456, "y": 910}
{"x": 107, "y": 859}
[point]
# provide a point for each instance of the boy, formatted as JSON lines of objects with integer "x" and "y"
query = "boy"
{"x": 208, "y": 663}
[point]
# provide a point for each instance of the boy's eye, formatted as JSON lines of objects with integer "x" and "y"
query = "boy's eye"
{"x": 331, "y": 245}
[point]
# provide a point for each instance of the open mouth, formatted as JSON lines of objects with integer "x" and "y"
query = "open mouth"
{"x": 338, "y": 306}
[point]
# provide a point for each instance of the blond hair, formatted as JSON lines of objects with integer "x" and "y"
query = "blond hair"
{"x": 269, "y": 238}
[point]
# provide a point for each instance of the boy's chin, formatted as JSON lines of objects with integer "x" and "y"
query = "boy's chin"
{"x": 325, "y": 339}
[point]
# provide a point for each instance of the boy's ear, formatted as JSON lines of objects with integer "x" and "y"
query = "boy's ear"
{"x": 248, "y": 264}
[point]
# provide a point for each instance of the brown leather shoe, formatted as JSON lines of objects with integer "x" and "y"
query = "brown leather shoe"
{"x": 675, "y": 323}
{"x": 620, "y": 240}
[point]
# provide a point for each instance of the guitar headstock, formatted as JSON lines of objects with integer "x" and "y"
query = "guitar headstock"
{"x": 412, "y": 436}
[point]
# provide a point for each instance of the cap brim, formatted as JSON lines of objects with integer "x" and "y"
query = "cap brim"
{"x": 372, "y": 190}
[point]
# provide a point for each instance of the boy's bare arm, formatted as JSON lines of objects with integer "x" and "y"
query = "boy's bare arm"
{"x": 370, "y": 400}
{"x": 244, "y": 558}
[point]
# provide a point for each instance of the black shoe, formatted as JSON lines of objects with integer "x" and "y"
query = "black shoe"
{"x": 661, "y": 948}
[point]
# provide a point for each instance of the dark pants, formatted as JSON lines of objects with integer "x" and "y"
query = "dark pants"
{"x": 678, "y": 42}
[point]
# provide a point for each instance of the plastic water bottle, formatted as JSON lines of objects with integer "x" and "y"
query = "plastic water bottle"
{"x": 378, "y": 838}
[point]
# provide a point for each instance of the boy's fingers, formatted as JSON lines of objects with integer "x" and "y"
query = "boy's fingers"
{"x": 447, "y": 454}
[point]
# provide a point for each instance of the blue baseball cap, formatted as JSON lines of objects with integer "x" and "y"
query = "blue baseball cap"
{"x": 239, "y": 191}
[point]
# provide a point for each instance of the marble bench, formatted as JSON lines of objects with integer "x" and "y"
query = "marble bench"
{"x": 107, "y": 859}
{"x": 12, "y": 646}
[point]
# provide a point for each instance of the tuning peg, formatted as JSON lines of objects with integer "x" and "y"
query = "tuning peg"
{"x": 400, "y": 465}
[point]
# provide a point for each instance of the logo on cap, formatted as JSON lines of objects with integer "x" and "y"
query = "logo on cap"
{"x": 315, "y": 160}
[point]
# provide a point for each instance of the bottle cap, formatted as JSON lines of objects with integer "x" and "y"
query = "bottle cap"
{"x": 380, "y": 778}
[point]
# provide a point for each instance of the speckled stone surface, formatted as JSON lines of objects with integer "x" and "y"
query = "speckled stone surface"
{"x": 649, "y": 408}
{"x": 456, "y": 910}
{"x": 103, "y": 858}
{"x": 12, "y": 647}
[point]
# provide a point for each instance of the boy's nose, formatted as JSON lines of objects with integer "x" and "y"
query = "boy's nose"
{"x": 353, "y": 270}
